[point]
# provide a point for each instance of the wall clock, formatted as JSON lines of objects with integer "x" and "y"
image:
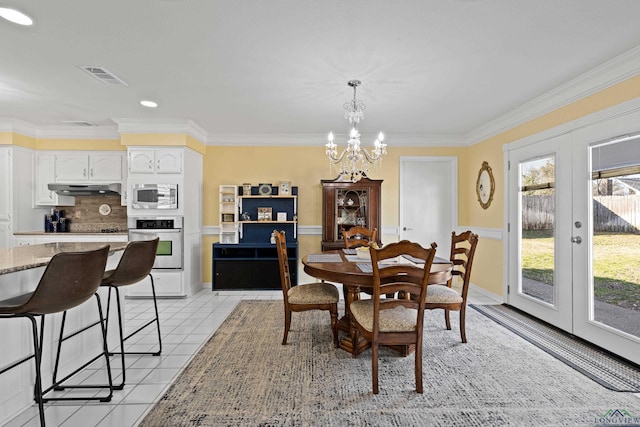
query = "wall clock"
{"x": 485, "y": 185}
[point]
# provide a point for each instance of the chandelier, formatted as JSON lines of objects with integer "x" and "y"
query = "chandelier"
{"x": 355, "y": 162}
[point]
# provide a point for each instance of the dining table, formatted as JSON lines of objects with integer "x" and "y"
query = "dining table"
{"x": 356, "y": 274}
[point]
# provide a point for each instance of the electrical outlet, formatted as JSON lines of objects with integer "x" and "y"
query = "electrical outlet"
{"x": 78, "y": 215}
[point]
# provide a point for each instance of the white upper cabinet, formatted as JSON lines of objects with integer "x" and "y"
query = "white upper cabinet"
{"x": 158, "y": 160}
{"x": 45, "y": 173}
{"x": 80, "y": 167}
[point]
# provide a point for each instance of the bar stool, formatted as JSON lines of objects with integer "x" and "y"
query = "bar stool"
{"x": 69, "y": 279}
{"x": 134, "y": 266}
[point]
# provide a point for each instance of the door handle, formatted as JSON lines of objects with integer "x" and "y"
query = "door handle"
{"x": 576, "y": 239}
{"x": 406, "y": 228}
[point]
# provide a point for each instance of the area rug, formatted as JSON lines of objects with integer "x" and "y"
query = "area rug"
{"x": 585, "y": 358}
{"x": 243, "y": 376}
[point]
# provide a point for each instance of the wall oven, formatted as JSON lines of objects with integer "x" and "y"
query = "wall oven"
{"x": 170, "y": 247}
{"x": 154, "y": 196}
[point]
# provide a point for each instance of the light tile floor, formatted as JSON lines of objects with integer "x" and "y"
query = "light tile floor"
{"x": 186, "y": 324}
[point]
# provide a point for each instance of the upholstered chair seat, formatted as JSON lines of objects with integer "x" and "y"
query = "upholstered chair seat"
{"x": 399, "y": 319}
{"x": 314, "y": 293}
{"x": 441, "y": 294}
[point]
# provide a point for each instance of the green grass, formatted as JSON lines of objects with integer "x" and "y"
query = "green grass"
{"x": 616, "y": 264}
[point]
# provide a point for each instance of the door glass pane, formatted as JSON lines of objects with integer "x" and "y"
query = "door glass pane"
{"x": 615, "y": 287}
{"x": 351, "y": 210}
{"x": 537, "y": 204}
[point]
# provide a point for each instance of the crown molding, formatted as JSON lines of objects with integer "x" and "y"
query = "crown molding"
{"x": 394, "y": 140}
{"x": 161, "y": 126}
{"x": 597, "y": 79}
{"x": 9, "y": 124}
{"x": 77, "y": 132}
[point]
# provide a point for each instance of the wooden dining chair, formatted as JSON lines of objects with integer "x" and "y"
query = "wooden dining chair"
{"x": 386, "y": 321}
{"x": 463, "y": 249}
{"x": 310, "y": 296}
{"x": 358, "y": 236}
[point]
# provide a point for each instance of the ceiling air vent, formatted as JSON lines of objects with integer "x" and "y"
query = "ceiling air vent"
{"x": 104, "y": 75}
{"x": 78, "y": 123}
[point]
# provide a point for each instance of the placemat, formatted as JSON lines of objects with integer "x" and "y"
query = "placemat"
{"x": 324, "y": 258}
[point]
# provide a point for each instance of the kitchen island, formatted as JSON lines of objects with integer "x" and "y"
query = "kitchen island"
{"x": 20, "y": 271}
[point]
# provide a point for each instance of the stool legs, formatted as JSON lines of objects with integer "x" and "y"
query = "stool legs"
{"x": 58, "y": 384}
{"x": 122, "y": 352}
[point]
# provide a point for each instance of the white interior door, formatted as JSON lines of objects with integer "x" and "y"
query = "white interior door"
{"x": 429, "y": 200}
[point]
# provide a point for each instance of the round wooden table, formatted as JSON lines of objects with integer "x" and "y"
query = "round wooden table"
{"x": 355, "y": 281}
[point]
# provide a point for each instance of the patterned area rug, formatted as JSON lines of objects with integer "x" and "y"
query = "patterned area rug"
{"x": 592, "y": 362}
{"x": 243, "y": 376}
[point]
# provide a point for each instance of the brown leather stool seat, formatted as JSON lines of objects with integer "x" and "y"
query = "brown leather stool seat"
{"x": 69, "y": 279}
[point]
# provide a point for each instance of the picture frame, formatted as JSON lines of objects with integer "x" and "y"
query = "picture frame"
{"x": 282, "y": 216}
{"x": 284, "y": 188}
{"x": 265, "y": 214}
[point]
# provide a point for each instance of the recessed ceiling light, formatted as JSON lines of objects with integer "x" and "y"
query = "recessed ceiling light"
{"x": 149, "y": 104}
{"x": 15, "y": 16}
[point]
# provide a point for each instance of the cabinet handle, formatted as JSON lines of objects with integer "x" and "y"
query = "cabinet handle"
{"x": 150, "y": 164}
{"x": 50, "y": 195}
{"x": 84, "y": 172}
{"x": 158, "y": 164}
{"x": 91, "y": 172}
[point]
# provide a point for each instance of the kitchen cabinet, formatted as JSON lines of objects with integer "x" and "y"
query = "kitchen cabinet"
{"x": 157, "y": 160}
{"x": 92, "y": 167}
{"x": 346, "y": 204}
{"x": 16, "y": 193}
{"x": 167, "y": 284}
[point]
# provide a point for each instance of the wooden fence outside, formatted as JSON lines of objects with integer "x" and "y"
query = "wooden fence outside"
{"x": 611, "y": 213}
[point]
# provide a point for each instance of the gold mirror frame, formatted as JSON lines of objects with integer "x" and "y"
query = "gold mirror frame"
{"x": 485, "y": 168}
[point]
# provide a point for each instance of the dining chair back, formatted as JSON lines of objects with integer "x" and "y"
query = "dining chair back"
{"x": 358, "y": 236}
{"x": 444, "y": 296}
{"x": 310, "y": 296}
{"x": 389, "y": 321}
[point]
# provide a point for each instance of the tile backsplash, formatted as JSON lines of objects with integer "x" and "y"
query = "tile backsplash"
{"x": 85, "y": 216}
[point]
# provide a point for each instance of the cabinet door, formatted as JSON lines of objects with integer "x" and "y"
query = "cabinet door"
{"x": 6, "y": 181}
{"x": 45, "y": 174}
{"x": 72, "y": 167}
{"x": 105, "y": 167}
{"x": 141, "y": 161}
{"x": 168, "y": 161}
{"x": 5, "y": 235}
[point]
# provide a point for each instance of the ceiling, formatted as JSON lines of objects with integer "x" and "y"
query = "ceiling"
{"x": 250, "y": 67}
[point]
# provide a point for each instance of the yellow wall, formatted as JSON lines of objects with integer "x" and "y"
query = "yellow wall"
{"x": 306, "y": 166}
{"x": 488, "y": 265}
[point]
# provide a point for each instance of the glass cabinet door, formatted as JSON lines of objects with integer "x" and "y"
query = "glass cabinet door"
{"x": 351, "y": 210}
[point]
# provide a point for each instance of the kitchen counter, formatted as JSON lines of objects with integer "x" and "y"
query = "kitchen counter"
{"x": 25, "y": 257}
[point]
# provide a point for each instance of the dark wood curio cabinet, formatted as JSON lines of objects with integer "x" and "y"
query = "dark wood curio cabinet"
{"x": 346, "y": 204}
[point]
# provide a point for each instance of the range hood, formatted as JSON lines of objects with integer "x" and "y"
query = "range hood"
{"x": 86, "y": 189}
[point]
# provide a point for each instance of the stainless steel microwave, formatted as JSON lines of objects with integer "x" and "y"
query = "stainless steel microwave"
{"x": 154, "y": 196}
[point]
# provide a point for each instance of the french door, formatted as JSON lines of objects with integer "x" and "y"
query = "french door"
{"x": 574, "y": 236}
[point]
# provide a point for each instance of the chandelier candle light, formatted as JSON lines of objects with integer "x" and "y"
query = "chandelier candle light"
{"x": 355, "y": 162}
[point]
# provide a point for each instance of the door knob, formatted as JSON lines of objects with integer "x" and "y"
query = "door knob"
{"x": 406, "y": 228}
{"x": 576, "y": 239}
